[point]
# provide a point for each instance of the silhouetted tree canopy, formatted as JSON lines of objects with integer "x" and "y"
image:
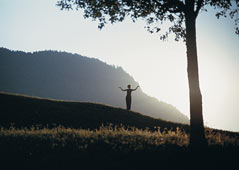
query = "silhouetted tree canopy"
{"x": 154, "y": 12}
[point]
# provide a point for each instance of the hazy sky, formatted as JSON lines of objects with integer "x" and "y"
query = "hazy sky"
{"x": 159, "y": 67}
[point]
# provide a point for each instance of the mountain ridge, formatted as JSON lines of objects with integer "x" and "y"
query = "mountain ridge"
{"x": 67, "y": 76}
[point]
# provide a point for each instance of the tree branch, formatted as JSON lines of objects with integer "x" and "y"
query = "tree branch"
{"x": 199, "y": 6}
{"x": 180, "y": 6}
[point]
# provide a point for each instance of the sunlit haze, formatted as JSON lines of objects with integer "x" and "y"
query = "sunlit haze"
{"x": 159, "y": 67}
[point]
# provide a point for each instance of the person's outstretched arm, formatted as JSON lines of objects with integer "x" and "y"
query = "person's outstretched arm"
{"x": 122, "y": 89}
{"x": 136, "y": 88}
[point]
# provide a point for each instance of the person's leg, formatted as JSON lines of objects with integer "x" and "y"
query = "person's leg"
{"x": 128, "y": 103}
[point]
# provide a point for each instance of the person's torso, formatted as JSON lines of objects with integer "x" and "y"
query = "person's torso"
{"x": 129, "y": 91}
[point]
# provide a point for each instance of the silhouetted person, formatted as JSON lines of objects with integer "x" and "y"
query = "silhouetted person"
{"x": 128, "y": 96}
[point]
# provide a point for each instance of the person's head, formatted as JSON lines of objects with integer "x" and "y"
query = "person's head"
{"x": 129, "y": 86}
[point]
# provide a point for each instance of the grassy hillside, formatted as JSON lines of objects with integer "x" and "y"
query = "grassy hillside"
{"x": 23, "y": 111}
{"x": 38, "y": 139}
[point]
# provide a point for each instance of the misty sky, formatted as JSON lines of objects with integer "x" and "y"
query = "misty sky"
{"x": 159, "y": 67}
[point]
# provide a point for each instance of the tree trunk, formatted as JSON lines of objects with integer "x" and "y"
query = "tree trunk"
{"x": 197, "y": 136}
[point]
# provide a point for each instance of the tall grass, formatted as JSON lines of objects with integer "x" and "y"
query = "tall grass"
{"x": 116, "y": 137}
{"x": 112, "y": 147}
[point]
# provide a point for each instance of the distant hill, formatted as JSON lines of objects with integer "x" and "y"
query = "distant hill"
{"x": 24, "y": 111}
{"x": 66, "y": 76}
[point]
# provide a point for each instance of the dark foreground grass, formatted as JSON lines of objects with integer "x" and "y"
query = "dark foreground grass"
{"x": 38, "y": 142}
{"x": 113, "y": 148}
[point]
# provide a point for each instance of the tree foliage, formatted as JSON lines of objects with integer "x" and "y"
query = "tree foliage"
{"x": 154, "y": 12}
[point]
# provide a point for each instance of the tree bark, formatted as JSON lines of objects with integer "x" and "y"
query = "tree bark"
{"x": 197, "y": 136}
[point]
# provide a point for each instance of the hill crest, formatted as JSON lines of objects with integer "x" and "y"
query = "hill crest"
{"x": 27, "y": 111}
{"x": 66, "y": 76}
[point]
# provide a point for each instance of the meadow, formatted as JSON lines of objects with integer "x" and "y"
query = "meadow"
{"x": 46, "y": 134}
{"x": 112, "y": 147}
